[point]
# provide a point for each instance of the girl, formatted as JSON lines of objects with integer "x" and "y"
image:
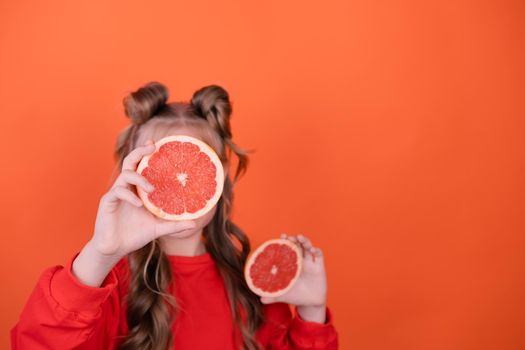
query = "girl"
{"x": 145, "y": 283}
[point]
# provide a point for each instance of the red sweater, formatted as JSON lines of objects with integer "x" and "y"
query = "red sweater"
{"x": 62, "y": 313}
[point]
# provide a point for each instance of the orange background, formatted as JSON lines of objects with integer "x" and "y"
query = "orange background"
{"x": 390, "y": 132}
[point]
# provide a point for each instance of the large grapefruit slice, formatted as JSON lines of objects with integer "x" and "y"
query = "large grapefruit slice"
{"x": 272, "y": 268}
{"x": 187, "y": 175}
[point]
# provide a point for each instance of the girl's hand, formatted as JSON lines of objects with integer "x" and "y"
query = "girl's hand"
{"x": 309, "y": 291}
{"x": 122, "y": 224}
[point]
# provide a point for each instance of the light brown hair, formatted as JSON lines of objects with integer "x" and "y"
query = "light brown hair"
{"x": 151, "y": 307}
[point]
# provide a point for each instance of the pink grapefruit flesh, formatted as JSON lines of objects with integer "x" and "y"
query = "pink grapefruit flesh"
{"x": 187, "y": 175}
{"x": 273, "y": 268}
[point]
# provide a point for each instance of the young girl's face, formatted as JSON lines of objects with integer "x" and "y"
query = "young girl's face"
{"x": 150, "y": 132}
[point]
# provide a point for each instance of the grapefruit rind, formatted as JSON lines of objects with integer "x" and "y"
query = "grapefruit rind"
{"x": 219, "y": 179}
{"x": 253, "y": 255}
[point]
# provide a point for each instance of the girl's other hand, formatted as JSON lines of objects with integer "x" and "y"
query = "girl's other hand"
{"x": 122, "y": 224}
{"x": 309, "y": 291}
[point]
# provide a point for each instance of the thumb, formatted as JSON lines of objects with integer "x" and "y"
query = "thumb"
{"x": 166, "y": 228}
{"x": 268, "y": 300}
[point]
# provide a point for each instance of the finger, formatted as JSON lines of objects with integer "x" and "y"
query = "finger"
{"x": 283, "y": 235}
{"x": 307, "y": 244}
{"x": 131, "y": 177}
{"x": 318, "y": 253}
{"x": 308, "y": 248}
{"x": 293, "y": 239}
{"x": 132, "y": 159}
{"x": 121, "y": 193}
{"x": 173, "y": 227}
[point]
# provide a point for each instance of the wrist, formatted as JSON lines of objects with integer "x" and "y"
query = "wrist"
{"x": 90, "y": 267}
{"x": 312, "y": 313}
{"x": 98, "y": 257}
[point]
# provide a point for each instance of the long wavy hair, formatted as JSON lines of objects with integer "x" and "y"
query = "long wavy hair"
{"x": 151, "y": 304}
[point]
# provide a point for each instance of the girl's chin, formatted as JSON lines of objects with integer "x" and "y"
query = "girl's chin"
{"x": 182, "y": 234}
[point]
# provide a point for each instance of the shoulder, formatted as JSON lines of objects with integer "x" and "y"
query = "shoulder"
{"x": 277, "y": 318}
{"x": 277, "y": 314}
{"x": 277, "y": 311}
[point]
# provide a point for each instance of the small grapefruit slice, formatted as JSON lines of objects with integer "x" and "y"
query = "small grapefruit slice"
{"x": 187, "y": 175}
{"x": 273, "y": 268}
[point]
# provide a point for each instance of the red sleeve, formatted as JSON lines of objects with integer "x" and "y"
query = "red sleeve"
{"x": 285, "y": 331}
{"x": 63, "y": 313}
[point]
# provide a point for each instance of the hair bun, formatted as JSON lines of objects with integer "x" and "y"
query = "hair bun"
{"x": 212, "y": 103}
{"x": 144, "y": 103}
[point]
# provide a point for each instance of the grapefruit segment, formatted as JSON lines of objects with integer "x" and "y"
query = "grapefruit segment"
{"x": 273, "y": 268}
{"x": 187, "y": 175}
